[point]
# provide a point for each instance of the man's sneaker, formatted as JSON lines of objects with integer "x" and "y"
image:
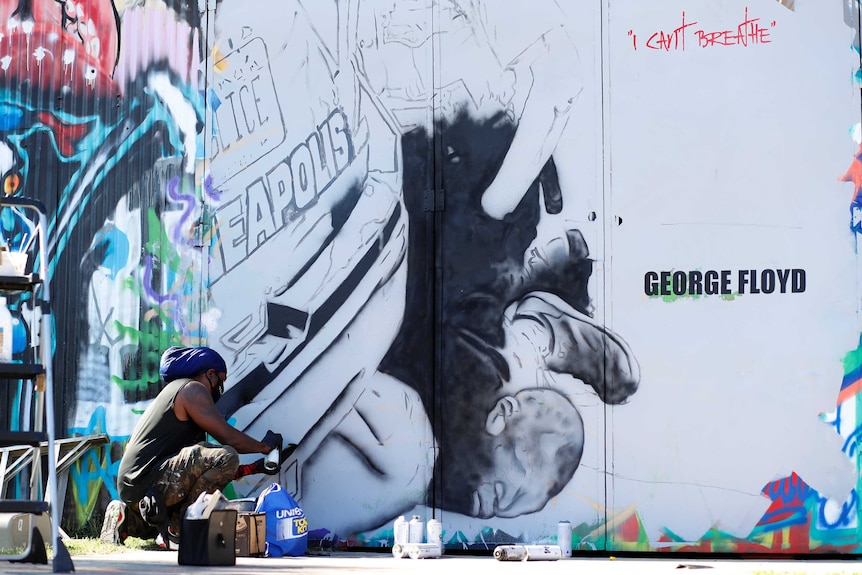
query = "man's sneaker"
{"x": 115, "y": 516}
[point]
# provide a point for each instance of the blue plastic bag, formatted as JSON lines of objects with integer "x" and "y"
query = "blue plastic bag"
{"x": 286, "y": 525}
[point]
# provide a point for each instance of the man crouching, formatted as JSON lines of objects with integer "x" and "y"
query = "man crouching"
{"x": 167, "y": 463}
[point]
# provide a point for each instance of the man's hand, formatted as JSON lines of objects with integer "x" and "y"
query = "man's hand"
{"x": 273, "y": 439}
{"x": 260, "y": 467}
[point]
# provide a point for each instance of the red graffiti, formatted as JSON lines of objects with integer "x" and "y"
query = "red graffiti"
{"x": 66, "y": 46}
{"x": 67, "y": 136}
{"x": 749, "y": 32}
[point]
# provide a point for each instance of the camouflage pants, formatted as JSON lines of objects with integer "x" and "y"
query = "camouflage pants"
{"x": 196, "y": 469}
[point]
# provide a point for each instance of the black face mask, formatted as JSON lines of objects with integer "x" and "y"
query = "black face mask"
{"x": 217, "y": 390}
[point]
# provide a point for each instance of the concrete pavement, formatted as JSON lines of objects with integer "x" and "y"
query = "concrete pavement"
{"x": 165, "y": 563}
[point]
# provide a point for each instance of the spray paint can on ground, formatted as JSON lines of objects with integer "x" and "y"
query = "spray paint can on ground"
{"x": 510, "y": 553}
{"x": 543, "y": 552}
{"x": 423, "y": 550}
{"x": 564, "y": 537}
{"x": 401, "y": 536}
{"x": 528, "y": 553}
{"x": 434, "y": 533}
{"x": 416, "y": 530}
{"x": 399, "y": 551}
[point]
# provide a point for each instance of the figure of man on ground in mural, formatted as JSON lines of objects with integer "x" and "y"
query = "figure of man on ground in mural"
{"x": 497, "y": 284}
{"x": 517, "y": 316}
{"x": 168, "y": 463}
{"x": 512, "y": 298}
{"x": 518, "y": 342}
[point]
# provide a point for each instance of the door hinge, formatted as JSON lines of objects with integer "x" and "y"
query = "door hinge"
{"x": 434, "y": 201}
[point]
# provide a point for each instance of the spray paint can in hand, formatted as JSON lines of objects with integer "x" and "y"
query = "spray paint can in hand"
{"x": 416, "y": 531}
{"x": 564, "y": 537}
{"x": 271, "y": 460}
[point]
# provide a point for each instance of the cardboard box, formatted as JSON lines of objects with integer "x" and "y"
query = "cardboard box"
{"x": 250, "y": 534}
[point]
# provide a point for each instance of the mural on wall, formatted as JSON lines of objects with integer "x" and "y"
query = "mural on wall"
{"x": 395, "y": 220}
{"x": 107, "y": 142}
{"x": 538, "y": 294}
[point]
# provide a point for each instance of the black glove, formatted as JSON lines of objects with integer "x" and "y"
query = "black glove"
{"x": 260, "y": 467}
{"x": 273, "y": 439}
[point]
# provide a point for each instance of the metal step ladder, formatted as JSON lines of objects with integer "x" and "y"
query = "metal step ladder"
{"x": 41, "y": 501}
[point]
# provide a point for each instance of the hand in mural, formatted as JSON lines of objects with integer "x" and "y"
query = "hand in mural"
{"x": 548, "y": 81}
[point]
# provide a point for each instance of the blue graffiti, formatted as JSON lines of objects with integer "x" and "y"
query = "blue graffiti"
{"x": 846, "y": 518}
{"x": 91, "y": 469}
{"x": 115, "y": 244}
{"x": 851, "y": 442}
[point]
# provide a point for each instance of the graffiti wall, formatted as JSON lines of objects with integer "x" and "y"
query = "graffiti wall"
{"x": 497, "y": 263}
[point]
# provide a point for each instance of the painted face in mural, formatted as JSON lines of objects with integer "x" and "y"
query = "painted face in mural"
{"x": 537, "y": 438}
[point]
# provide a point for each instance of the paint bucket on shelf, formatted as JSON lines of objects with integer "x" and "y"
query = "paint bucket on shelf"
{"x": 5, "y": 333}
{"x": 564, "y": 537}
{"x": 416, "y": 530}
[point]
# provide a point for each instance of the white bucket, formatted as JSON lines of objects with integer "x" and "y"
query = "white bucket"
{"x": 12, "y": 263}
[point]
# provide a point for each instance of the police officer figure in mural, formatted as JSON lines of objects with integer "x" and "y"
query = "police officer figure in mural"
{"x": 167, "y": 463}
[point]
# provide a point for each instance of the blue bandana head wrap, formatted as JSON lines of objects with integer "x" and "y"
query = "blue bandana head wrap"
{"x": 180, "y": 362}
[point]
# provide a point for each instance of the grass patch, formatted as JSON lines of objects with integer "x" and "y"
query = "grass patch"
{"x": 98, "y": 547}
{"x": 90, "y": 546}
